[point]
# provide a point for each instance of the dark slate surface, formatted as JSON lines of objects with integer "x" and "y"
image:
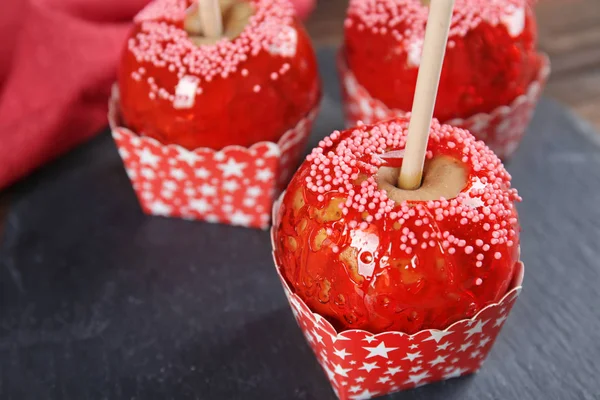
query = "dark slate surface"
{"x": 101, "y": 302}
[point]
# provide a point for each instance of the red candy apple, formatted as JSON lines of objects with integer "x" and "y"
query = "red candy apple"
{"x": 367, "y": 255}
{"x": 490, "y": 58}
{"x": 253, "y": 84}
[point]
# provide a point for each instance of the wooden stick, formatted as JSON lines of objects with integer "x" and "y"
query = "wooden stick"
{"x": 428, "y": 79}
{"x": 211, "y": 19}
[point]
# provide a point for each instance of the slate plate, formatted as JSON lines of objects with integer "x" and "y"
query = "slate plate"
{"x": 101, "y": 302}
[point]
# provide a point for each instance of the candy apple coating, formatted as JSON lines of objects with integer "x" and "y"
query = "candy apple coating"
{"x": 363, "y": 254}
{"x": 252, "y": 85}
{"x": 490, "y": 60}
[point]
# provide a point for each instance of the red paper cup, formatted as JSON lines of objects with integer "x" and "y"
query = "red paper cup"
{"x": 502, "y": 129}
{"x": 362, "y": 365}
{"x": 235, "y": 185}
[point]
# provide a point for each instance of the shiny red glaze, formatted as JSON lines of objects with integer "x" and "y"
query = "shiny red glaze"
{"x": 485, "y": 69}
{"x": 388, "y": 289}
{"x": 229, "y": 111}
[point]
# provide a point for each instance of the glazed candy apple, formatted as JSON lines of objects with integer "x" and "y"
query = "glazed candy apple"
{"x": 490, "y": 61}
{"x": 367, "y": 255}
{"x": 253, "y": 84}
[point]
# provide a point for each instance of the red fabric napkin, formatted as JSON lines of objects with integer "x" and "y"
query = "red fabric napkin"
{"x": 58, "y": 59}
{"x": 55, "y": 76}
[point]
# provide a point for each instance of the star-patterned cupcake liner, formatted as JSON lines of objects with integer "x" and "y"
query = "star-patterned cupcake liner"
{"x": 502, "y": 129}
{"x": 234, "y": 185}
{"x": 362, "y": 365}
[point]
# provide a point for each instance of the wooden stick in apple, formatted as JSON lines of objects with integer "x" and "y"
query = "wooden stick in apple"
{"x": 210, "y": 18}
{"x": 434, "y": 48}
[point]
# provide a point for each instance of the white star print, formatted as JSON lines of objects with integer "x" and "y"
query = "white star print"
{"x": 309, "y": 337}
{"x": 475, "y": 354}
{"x": 178, "y": 173}
{"x": 416, "y": 369}
{"x": 239, "y": 218}
{"x": 166, "y": 194}
{"x": 228, "y": 199}
{"x": 354, "y": 389}
{"x": 383, "y": 379}
{"x": 249, "y": 202}
{"x": 393, "y": 370}
{"x": 500, "y": 320}
{"x": 208, "y": 190}
{"x": 380, "y": 350}
{"x": 484, "y": 340}
{"x": 317, "y": 336}
{"x": 413, "y": 346}
{"x": 160, "y": 208}
{"x": 147, "y": 195}
{"x": 369, "y": 366}
{"x": 360, "y": 379}
{"x": 147, "y": 173}
{"x": 219, "y": 156}
{"x": 131, "y": 173}
{"x": 352, "y": 362}
{"x": 389, "y": 362}
{"x": 476, "y": 329}
{"x": 273, "y": 151}
{"x": 189, "y": 191}
{"x": 464, "y": 347}
{"x": 211, "y": 218}
{"x": 231, "y": 186}
{"x": 412, "y": 356}
{"x": 232, "y": 168}
{"x": 259, "y": 162}
{"x": 335, "y": 338}
{"x": 188, "y": 156}
{"x": 437, "y": 336}
{"x": 341, "y": 353}
{"x": 438, "y": 360}
{"x": 123, "y": 153}
{"x": 341, "y": 371}
{"x": 147, "y": 157}
{"x": 443, "y": 346}
{"x": 455, "y": 373}
{"x": 202, "y": 173}
{"x": 264, "y": 175}
{"x": 200, "y": 205}
{"x": 169, "y": 185}
{"x": 365, "y": 395}
{"x": 417, "y": 378}
{"x": 329, "y": 372}
{"x": 369, "y": 339}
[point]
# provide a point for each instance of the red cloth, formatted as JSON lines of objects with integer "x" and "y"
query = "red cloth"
{"x": 58, "y": 60}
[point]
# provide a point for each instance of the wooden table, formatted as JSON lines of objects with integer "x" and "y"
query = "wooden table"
{"x": 569, "y": 33}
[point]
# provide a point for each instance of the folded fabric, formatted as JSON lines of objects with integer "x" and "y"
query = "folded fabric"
{"x": 56, "y": 74}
